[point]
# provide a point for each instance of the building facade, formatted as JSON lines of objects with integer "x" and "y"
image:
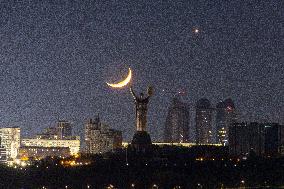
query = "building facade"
{"x": 225, "y": 117}
{"x": 99, "y": 138}
{"x": 203, "y": 122}
{"x": 177, "y": 123}
{"x": 3, "y": 155}
{"x": 263, "y": 139}
{"x": 37, "y": 152}
{"x": 10, "y": 140}
{"x": 89, "y": 127}
{"x": 72, "y": 144}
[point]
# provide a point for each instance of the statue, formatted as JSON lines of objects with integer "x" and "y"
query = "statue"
{"x": 141, "y": 103}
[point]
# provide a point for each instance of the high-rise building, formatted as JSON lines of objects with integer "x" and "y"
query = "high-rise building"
{"x": 225, "y": 116}
{"x": 99, "y": 138}
{"x": 203, "y": 121}
{"x": 10, "y": 140}
{"x": 89, "y": 127}
{"x": 64, "y": 129}
{"x": 274, "y": 139}
{"x": 263, "y": 139}
{"x": 48, "y": 133}
{"x": 177, "y": 123}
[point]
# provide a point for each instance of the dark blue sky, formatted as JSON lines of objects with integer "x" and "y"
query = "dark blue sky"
{"x": 57, "y": 55}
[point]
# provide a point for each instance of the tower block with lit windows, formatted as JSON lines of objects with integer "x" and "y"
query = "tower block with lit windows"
{"x": 141, "y": 140}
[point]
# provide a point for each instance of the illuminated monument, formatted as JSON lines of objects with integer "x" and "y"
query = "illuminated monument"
{"x": 141, "y": 140}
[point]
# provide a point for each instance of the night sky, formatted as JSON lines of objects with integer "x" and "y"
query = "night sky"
{"x": 57, "y": 55}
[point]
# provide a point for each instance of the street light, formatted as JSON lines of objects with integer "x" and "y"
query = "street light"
{"x": 155, "y": 186}
{"x": 110, "y": 186}
{"x": 177, "y": 187}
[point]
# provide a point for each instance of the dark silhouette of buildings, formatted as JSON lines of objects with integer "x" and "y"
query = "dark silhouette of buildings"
{"x": 64, "y": 129}
{"x": 225, "y": 116}
{"x": 274, "y": 139}
{"x": 203, "y": 121}
{"x": 262, "y": 139}
{"x": 177, "y": 122}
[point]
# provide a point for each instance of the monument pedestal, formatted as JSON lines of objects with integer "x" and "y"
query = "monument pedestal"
{"x": 141, "y": 141}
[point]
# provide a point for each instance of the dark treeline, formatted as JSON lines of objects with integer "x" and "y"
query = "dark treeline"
{"x": 167, "y": 167}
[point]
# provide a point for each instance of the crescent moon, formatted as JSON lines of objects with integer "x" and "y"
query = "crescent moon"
{"x": 122, "y": 83}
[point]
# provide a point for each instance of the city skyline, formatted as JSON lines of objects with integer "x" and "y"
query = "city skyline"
{"x": 57, "y": 56}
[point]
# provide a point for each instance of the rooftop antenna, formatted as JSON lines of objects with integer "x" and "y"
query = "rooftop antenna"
{"x": 57, "y": 116}
{"x": 98, "y": 118}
